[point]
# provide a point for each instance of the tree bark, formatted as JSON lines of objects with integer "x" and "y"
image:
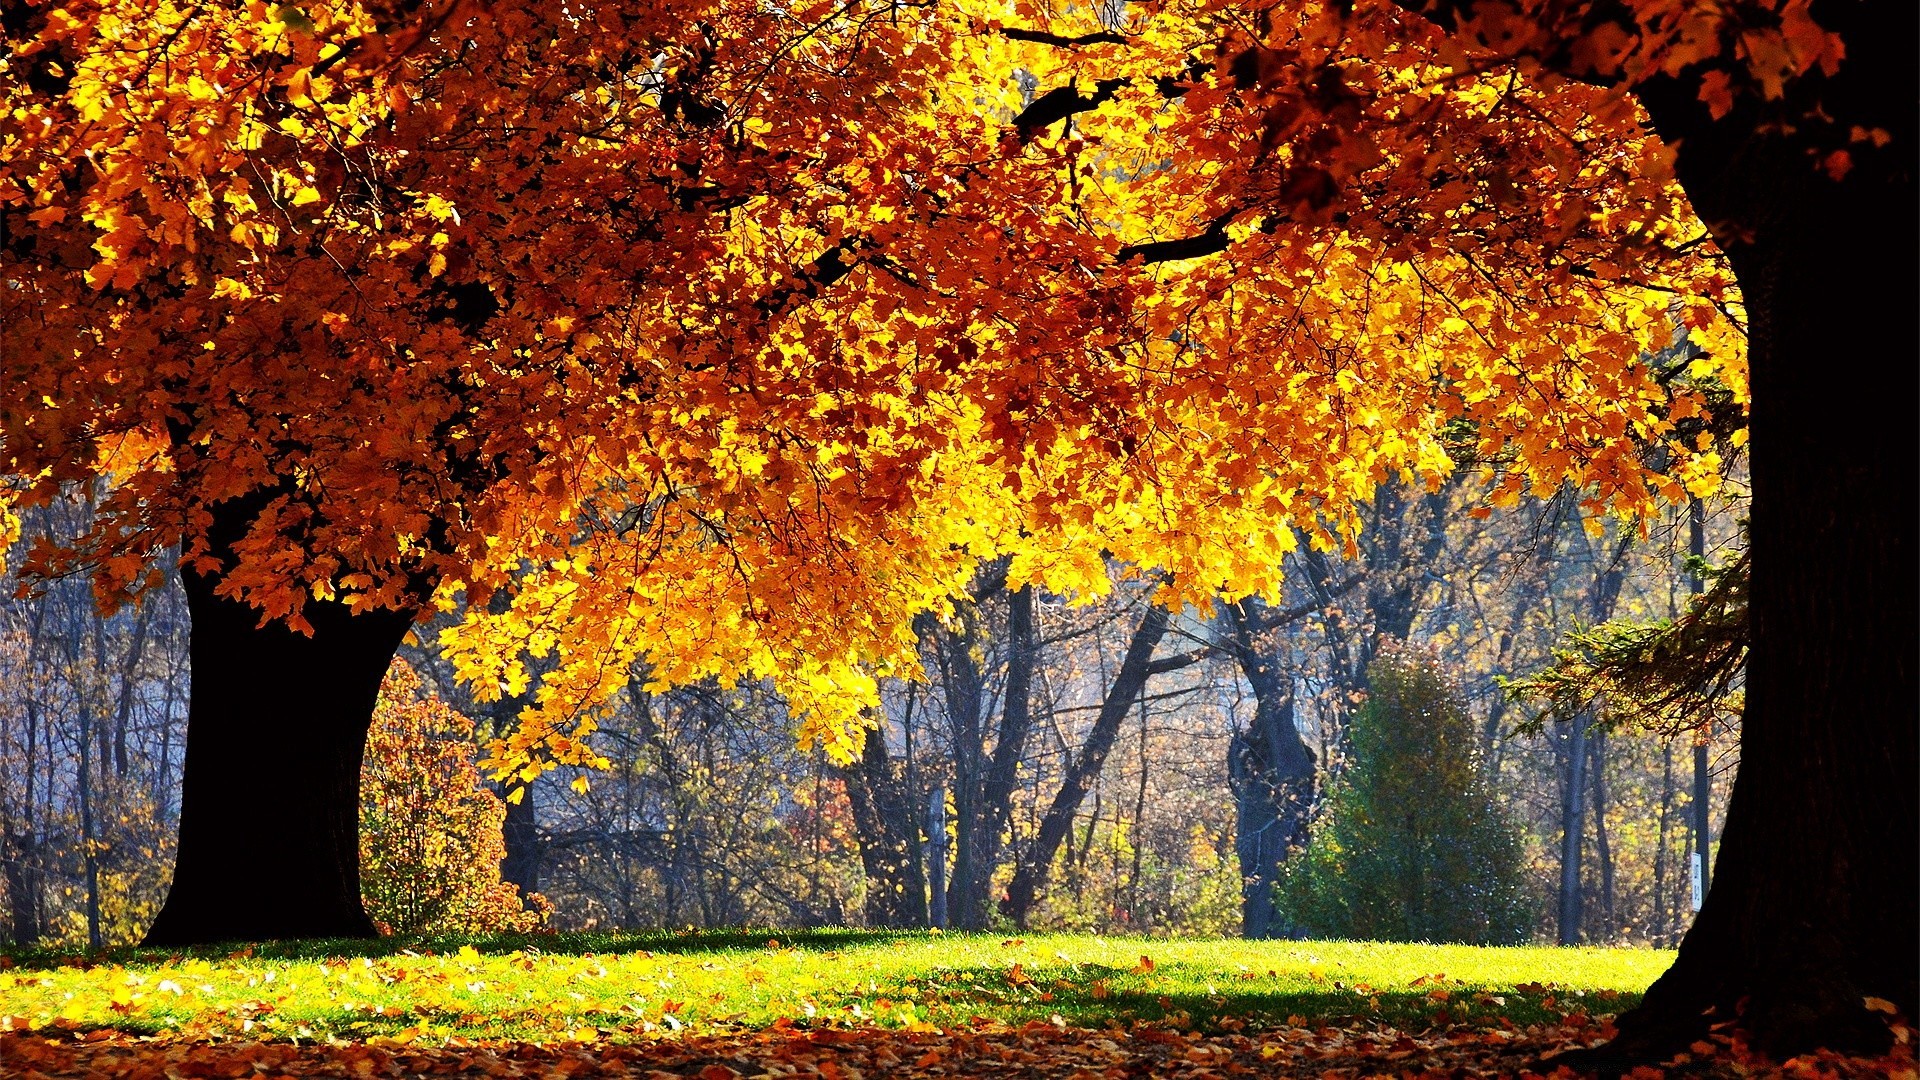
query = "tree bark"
{"x": 270, "y": 794}
{"x": 995, "y": 805}
{"x": 1813, "y": 905}
{"x": 1702, "y": 772}
{"x": 937, "y": 857}
{"x": 963, "y": 691}
{"x": 1573, "y": 829}
{"x": 884, "y": 829}
{"x": 1272, "y": 773}
{"x": 1602, "y": 842}
{"x": 521, "y": 842}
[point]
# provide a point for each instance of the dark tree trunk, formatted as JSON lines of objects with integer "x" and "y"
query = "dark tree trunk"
{"x": 995, "y": 806}
{"x": 1702, "y": 773}
{"x": 1662, "y": 906}
{"x": 20, "y": 862}
{"x": 885, "y": 830}
{"x": 1602, "y": 842}
{"x": 1030, "y": 873}
{"x": 963, "y": 690}
{"x": 523, "y": 846}
{"x": 1573, "y": 829}
{"x": 270, "y": 795}
{"x": 1813, "y": 905}
{"x": 983, "y": 780}
{"x": 1272, "y": 773}
{"x": 520, "y": 835}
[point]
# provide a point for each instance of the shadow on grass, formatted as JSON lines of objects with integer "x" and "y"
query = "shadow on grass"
{"x": 572, "y": 944}
{"x": 1409, "y": 1011}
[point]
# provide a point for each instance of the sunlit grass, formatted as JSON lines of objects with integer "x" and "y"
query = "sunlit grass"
{"x": 629, "y": 986}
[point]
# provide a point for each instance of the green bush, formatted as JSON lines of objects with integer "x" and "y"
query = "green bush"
{"x": 1410, "y": 845}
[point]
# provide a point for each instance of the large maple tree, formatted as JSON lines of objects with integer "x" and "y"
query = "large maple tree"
{"x": 718, "y": 339}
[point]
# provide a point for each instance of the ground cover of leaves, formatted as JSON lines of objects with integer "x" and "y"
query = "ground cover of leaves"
{"x": 991, "y": 1050}
{"x": 843, "y": 1005}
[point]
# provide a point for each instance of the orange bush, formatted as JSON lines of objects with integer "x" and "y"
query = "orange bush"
{"x": 430, "y": 840}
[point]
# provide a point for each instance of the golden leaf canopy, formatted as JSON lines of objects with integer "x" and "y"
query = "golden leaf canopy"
{"x": 725, "y": 336}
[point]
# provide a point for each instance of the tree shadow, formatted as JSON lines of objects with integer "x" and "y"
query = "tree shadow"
{"x": 668, "y": 942}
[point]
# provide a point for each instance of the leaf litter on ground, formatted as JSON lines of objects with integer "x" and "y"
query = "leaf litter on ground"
{"x": 839, "y": 1004}
{"x": 988, "y": 1049}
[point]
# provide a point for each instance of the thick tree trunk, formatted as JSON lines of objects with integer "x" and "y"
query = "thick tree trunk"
{"x": 520, "y": 837}
{"x": 20, "y": 863}
{"x": 963, "y": 689}
{"x": 1813, "y": 905}
{"x": 270, "y": 796}
{"x": 995, "y": 805}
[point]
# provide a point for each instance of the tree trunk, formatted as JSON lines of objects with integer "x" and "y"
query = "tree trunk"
{"x": 1030, "y": 874}
{"x": 1813, "y": 901}
{"x": 995, "y": 805}
{"x": 270, "y": 793}
{"x": 1602, "y": 843}
{"x": 1573, "y": 826}
{"x": 937, "y": 858}
{"x": 884, "y": 829}
{"x": 1661, "y": 906}
{"x": 520, "y": 839}
{"x": 1702, "y": 767}
{"x": 1272, "y": 773}
{"x": 963, "y": 690}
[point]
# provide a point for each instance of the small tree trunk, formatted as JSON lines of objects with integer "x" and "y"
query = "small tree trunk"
{"x": 1573, "y": 805}
{"x": 1702, "y": 767}
{"x": 270, "y": 795}
{"x": 1030, "y": 874}
{"x": 1602, "y": 843}
{"x": 1662, "y": 909}
{"x": 89, "y": 855}
{"x": 883, "y": 828}
{"x": 937, "y": 857}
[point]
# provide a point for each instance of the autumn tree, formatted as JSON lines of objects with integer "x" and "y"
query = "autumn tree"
{"x": 1794, "y": 130}
{"x": 430, "y": 841}
{"x": 378, "y": 307}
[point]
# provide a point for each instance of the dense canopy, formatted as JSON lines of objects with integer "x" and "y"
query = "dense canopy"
{"x": 726, "y": 336}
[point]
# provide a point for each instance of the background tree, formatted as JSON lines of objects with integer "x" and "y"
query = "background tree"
{"x": 708, "y": 813}
{"x": 431, "y": 843}
{"x": 1412, "y": 845}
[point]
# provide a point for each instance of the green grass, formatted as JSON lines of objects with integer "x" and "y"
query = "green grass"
{"x": 630, "y": 986}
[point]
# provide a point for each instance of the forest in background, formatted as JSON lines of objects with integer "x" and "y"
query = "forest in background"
{"x": 1135, "y": 792}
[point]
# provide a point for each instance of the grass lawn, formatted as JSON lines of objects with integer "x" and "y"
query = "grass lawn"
{"x": 624, "y": 987}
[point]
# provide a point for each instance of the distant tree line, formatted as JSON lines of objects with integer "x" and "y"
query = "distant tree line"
{"x": 1096, "y": 764}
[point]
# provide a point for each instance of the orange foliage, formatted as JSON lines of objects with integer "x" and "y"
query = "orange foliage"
{"x": 430, "y": 840}
{"x": 727, "y": 337}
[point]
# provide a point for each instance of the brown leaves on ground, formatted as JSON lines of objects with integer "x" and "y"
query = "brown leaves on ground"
{"x": 991, "y": 1050}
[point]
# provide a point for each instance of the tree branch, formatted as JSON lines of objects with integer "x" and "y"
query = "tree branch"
{"x": 1063, "y": 102}
{"x": 1211, "y": 242}
{"x": 1061, "y": 41}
